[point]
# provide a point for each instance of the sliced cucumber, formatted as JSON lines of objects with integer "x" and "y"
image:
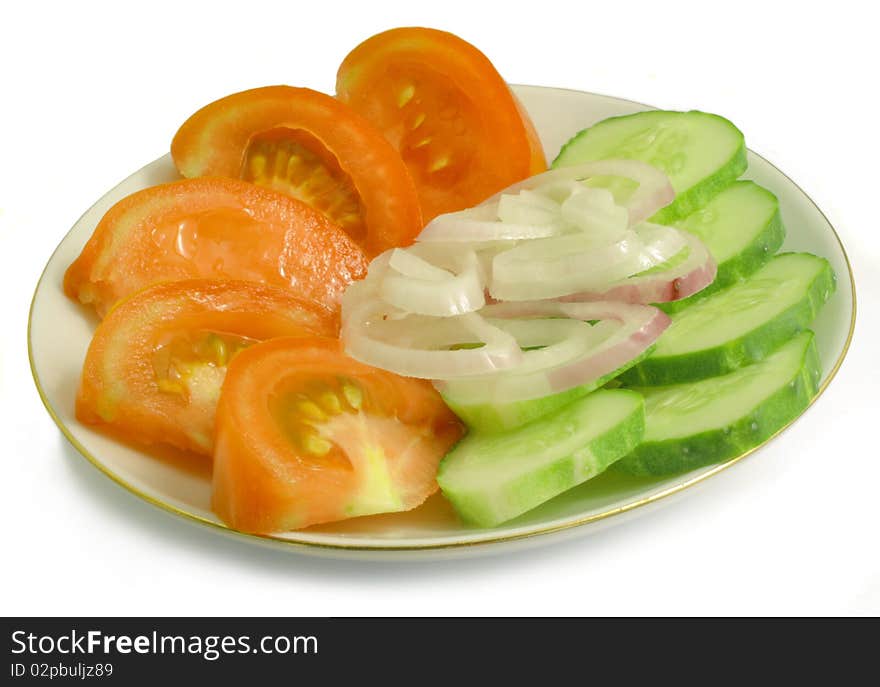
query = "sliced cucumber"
{"x": 491, "y": 478}
{"x": 490, "y": 418}
{"x": 701, "y": 153}
{"x": 692, "y": 425}
{"x": 501, "y": 417}
{"x": 739, "y": 325}
{"x": 742, "y": 229}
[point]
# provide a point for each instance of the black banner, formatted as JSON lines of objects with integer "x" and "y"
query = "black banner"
{"x": 415, "y": 651}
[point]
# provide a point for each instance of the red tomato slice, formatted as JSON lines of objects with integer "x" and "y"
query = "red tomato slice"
{"x": 312, "y": 147}
{"x": 156, "y": 363}
{"x": 460, "y": 130}
{"x": 219, "y": 228}
{"x": 307, "y": 435}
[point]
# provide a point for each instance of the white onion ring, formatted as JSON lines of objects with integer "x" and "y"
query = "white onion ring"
{"x": 695, "y": 273}
{"x": 634, "y": 330}
{"x": 409, "y": 264}
{"x": 561, "y": 340}
{"x": 364, "y": 339}
{"x": 654, "y": 192}
{"x": 437, "y": 291}
{"x": 559, "y": 266}
{"x": 465, "y": 230}
{"x": 421, "y": 310}
{"x": 527, "y": 207}
{"x": 481, "y": 223}
{"x": 593, "y": 212}
{"x": 659, "y": 244}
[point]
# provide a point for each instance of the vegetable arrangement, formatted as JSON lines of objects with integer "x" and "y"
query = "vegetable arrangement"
{"x": 348, "y": 302}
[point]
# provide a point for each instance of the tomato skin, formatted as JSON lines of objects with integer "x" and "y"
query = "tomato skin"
{"x": 215, "y": 140}
{"x": 213, "y": 228}
{"x": 120, "y": 387}
{"x": 385, "y": 449}
{"x": 443, "y": 105}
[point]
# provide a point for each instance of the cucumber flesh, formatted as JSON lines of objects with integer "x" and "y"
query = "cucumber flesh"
{"x": 691, "y": 425}
{"x": 491, "y": 478}
{"x": 739, "y": 325}
{"x": 742, "y": 229}
{"x": 701, "y": 153}
{"x": 501, "y": 417}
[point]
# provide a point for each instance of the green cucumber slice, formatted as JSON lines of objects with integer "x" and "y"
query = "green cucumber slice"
{"x": 739, "y": 325}
{"x": 501, "y": 417}
{"x": 701, "y": 153}
{"x": 490, "y": 418}
{"x": 491, "y": 478}
{"x": 742, "y": 229}
{"x": 691, "y": 425}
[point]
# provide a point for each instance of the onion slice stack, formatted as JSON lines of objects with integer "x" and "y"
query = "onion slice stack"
{"x": 622, "y": 333}
{"x": 541, "y": 288}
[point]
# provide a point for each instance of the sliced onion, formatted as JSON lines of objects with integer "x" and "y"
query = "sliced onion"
{"x": 659, "y": 244}
{"x": 529, "y": 208}
{"x": 556, "y": 267}
{"x": 654, "y": 192}
{"x": 624, "y": 332}
{"x": 357, "y": 294}
{"x": 437, "y": 292}
{"x": 560, "y": 340}
{"x": 533, "y": 332}
{"x": 693, "y": 274}
{"x": 593, "y": 212}
{"x": 421, "y": 311}
{"x": 558, "y": 190}
{"x": 416, "y": 346}
{"x": 409, "y": 264}
{"x": 460, "y": 227}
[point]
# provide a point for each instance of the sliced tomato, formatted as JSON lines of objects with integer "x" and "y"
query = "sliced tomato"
{"x": 307, "y": 435}
{"x": 313, "y": 147}
{"x": 214, "y": 227}
{"x": 156, "y": 363}
{"x": 459, "y": 128}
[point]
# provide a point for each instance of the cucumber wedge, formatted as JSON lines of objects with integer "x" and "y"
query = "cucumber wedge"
{"x": 742, "y": 229}
{"x": 739, "y": 325}
{"x": 692, "y": 425}
{"x": 501, "y": 417}
{"x": 490, "y": 418}
{"x": 491, "y": 478}
{"x": 701, "y": 153}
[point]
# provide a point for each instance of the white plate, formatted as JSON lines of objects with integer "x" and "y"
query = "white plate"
{"x": 60, "y": 331}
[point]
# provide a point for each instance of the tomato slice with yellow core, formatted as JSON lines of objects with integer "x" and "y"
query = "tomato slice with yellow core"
{"x": 217, "y": 228}
{"x": 307, "y": 435}
{"x": 312, "y": 147}
{"x": 155, "y": 366}
{"x": 461, "y": 131}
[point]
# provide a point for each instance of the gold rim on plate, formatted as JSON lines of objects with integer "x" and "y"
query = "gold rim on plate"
{"x": 538, "y": 531}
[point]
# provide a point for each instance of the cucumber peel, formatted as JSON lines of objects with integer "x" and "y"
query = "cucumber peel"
{"x": 742, "y": 228}
{"x": 701, "y": 153}
{"x": 504, "y": 416}
{"x": 739, "y": 325}
{"x": 491, "y": 478}
{"x": 688, "y": 426}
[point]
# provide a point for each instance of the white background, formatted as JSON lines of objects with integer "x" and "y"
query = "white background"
{"x": 89, "y": 93}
